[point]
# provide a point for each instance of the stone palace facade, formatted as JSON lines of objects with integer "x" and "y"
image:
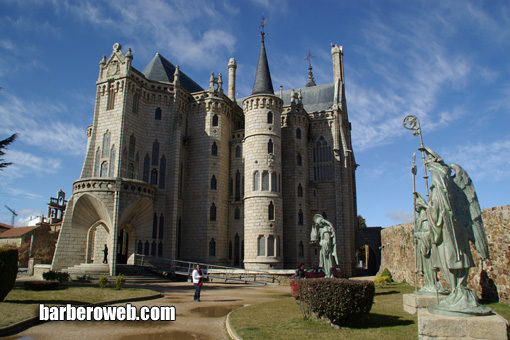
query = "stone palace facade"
{"x": 176, "y": 171}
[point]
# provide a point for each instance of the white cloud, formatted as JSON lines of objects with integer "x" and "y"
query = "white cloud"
{"x": 482, "y": 160}
{"x": 35, "y": 124}
{"x": 400, "y": 216}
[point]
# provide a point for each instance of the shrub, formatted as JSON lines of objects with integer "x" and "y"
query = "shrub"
{"x": 84, "y": 278}
{"x": 103, "y": 281}
{"x": 9, "y": 270}
{"x": 41, "y": 285}
{"x": 382, "y": 280}
{"x": 120, "y": 281}
{"x": 386, "y": 272}
{"x": 56, "y": 276}
{"x": 339, "y": 300}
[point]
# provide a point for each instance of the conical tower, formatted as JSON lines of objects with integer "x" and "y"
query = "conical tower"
{"x": 263, "y": 205}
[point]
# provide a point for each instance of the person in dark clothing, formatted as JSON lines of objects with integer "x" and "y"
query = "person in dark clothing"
{"x": 300, "y": 272}
{"x": 105, "y": 251}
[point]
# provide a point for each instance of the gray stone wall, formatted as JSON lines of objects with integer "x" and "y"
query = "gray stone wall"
{"x": 398, "y": 255}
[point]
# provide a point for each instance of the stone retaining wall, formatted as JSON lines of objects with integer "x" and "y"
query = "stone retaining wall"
{"x": 490, "y": 283}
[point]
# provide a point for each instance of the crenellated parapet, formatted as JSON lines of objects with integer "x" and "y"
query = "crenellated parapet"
{"x": 263, "y": 101}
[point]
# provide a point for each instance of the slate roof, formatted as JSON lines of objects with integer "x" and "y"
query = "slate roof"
{"x": 315, "y": 98}
{"x": 262, "y": 83}
{"x": 17, "y": 232}
{"x": 160, "y": 69}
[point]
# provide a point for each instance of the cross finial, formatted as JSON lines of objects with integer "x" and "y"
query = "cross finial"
{"x": 262, "y": 33}
{"x": 309, "y": 58}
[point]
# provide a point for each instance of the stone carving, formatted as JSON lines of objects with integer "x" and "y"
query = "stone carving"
{"x": 324, "y": 234}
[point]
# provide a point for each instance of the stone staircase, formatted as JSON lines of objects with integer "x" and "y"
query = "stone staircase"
{"x": 133, "y": 274}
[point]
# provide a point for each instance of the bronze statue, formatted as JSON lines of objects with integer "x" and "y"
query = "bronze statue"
{"x": 445, "y": 225}
{"x": 324, "y": 233}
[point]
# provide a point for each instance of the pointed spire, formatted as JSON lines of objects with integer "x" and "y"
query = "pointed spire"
{"x": 311, "y": 81}
{"x": 263, "y": 84}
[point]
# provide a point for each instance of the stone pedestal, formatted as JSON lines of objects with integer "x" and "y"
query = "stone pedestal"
{"x": 414, "y": 301}
{"x": 439, "y": 327}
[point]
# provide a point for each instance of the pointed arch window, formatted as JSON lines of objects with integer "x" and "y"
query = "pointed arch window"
{"x": 139, "y": 249}
{"x": 270, "y": 211}
{"x": 146, "y": 248}
{"x": 154, "y": 177}
{"x": 238, "y": 151}
{"x": 157, "y": 114}
{"x": 136, "y": 101}
{"x": 301, "y": 249}
{"x": 238, "y": 186}
{"x": 270, "y": 246}
{"x": 274, "y": 182}
{"x": 214, "y": 182}
{"x": 265, "y": 181}
{"x": 214, "y": 149}
{"x": 106, "y": 143}
{"x": 161, "y": 226}
{"x": 237, "y": 214}
{"x": 97, "y": 166}
{"x": 160, "y": 249}
{"x": 299, "y": 159}
{"x": 261, "y": 249}
{"x": 215, "y": 120}
{"x": 112, "y": 162}
{"x": 153, "y": 248}
{"x": 132, "y": 143}
{"x": 270, "y": 117}
{"x": 155, "y": 152}
{"x": 212, "y": 247}
{"x": 256, "y": 181}
{"x": 322, "y": 158}
{"x": 300, "y": 217}
{"x": 146, "y": 166}
{"x": 111, "y": 97}
{"x": 212, "y": 213}
{"x": 104, "y": 169}
{"x": 162, "y": 172}
{"x": 300, "y": 190}
{"x": 131, "y": 171}
{"x": 298, "y": 133}
{"x": 270, "y": 146}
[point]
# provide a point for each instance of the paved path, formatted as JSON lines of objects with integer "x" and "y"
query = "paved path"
{"x": 194, "y": 320}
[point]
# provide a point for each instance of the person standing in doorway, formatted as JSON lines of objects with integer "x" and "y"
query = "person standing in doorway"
{"x": 105, "y": 251}
{"x": 198, "y": 281}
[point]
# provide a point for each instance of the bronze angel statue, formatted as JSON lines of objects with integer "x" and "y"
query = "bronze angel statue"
{"x": 454, "y": 218}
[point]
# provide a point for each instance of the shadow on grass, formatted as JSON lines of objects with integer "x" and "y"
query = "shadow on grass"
{"x": 374, "y": 320}
{"x": 388, "y": 292}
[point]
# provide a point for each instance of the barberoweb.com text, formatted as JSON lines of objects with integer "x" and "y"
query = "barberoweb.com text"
{"x": 106, "y": 313}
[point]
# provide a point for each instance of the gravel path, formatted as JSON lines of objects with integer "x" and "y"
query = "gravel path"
{"x": 194, "y": 320}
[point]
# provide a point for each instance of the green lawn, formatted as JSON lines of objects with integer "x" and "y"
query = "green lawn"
{"x": 23, "y": 304}
{"x": 281, "y": 319}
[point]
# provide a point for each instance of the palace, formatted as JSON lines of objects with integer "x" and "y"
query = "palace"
{"x": 176, "y": 171}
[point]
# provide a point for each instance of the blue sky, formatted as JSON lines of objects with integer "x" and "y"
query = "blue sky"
{"x": 446, "y": 62}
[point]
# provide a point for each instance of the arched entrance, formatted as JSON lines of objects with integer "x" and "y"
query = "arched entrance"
{"x": 97, "y": 237}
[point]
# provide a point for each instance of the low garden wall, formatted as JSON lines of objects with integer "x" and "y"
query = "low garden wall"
{"x": 490, "y": 279}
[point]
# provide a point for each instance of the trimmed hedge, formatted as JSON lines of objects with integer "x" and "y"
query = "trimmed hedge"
{"x": 339, "y": 300}
{"x": 56, "y": 276}
{"x": 41, "y": 285}
{"x": 9, "y": 270}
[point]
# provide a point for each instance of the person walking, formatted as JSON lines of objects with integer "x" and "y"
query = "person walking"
{"x": 198, "y": 281}
{"x": 105, "y": 251}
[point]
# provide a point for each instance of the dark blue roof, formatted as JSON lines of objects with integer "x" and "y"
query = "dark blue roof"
{"x": 315, "y": 98}
{"x": 160, "y": 69}
{"x": 262, "y": 83}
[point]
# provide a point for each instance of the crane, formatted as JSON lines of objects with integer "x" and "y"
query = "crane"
{"x": 14, "y": 214}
